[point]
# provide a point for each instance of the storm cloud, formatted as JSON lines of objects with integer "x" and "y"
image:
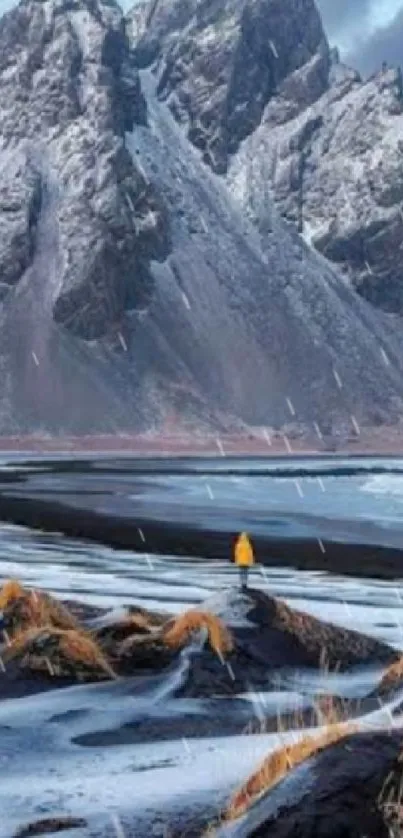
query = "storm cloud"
{"x": 385, "y": 44}
{"x": 340, "y": 15}
{"x": 368, "y": 32}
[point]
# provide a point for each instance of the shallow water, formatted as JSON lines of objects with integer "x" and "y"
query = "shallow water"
{"x": 64, "y": 752}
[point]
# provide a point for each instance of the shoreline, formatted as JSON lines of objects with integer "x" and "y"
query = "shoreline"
{"x": 376, "y": 442}
{"x": 345, "y": 558}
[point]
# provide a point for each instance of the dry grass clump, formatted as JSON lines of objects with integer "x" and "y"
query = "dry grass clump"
{"x": 24, "y": 609}
{"x": 156, "y": 619}
{"x": 390, "y": 800}
{"x": 63, "y": 653}
{"x": 132, "y": 641}
{"x": 10, "y": 591}
{"x": 138, "y": 624}
{"x": 177, "y": 634}
{"x": 392, "y": 677}
{"x": 278, "y": 764}
{"x": 141, "y": 652}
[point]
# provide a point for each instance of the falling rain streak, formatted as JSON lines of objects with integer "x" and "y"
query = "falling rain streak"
{"x": 122, "y": 341}
{"x": 117, "y": 824}
{"x": 385, "y": 357}
{"x": 267, "y": 437}
{"x": 337, "y": 379}
{"x": 185, "y": 300}
{"x": 318, "y": 431}
{"x": 355, "y": 425}
{"x": 220, "y": 447}
{"x": 287, "y": 444}
{"x": 298, "y": 488}
{"x": 209, "y": 490}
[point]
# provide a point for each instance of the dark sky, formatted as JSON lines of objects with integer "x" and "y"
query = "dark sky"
{"x": 368, "y": 31}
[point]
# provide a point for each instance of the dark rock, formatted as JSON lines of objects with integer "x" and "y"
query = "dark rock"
{"x": 272, "y": 633}
{"x": 20, "y": 206}
{"x": 50, "y": 825}
{"x": 339, "y": 793}
{"x": 269, "y": 637}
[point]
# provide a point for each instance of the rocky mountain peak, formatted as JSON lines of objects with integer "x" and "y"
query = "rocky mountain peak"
{"x": 220, "y": 63}
{"x": 258, "y": 90}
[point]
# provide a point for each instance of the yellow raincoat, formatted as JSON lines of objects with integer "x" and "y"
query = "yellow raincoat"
{"x": 244, "y": 556}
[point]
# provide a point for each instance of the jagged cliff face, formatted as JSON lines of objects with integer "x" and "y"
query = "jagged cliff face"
{"x": 336, "y": 171}
{"x": 68, "y": 96}
{"x": 221, "y": 62}
{"x": 134, "y": 288}
{"x": 267, "y": 103}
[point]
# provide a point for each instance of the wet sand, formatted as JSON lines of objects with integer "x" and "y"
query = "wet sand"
{"x": 133, "y": 532}
{"x": 166, "y": 539}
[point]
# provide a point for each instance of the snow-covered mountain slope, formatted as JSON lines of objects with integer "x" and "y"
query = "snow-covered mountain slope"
{"x": 258, "y": 90}
{"x": 221, "y": 62}
{"x": 336, "y": 171}
{"x": 135, "y": 290}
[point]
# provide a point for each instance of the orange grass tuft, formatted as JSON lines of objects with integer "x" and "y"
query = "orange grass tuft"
{"x": 278, "y": 764}
{"x": 27, "y": 608}
{"x": 78, "y": 646}
{"x": 52, "y": 612}
{"x": 177, "y": 634}
{"x": 392, "y": 676}
{"x": 11, "y": 590}
{"x": 75, "y": 646}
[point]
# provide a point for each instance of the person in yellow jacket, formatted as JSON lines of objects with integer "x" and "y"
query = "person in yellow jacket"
{"x": 244, "y": 557}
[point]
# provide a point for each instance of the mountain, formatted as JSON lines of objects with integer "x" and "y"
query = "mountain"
{"x": 136, "y": 291}
{"x": 270, "y": 105}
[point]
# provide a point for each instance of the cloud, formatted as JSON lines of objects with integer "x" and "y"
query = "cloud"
{"x": 5, "y": 5}
{"x": 367, "y": 32}
{"x": 340, "y": 16}
{"x": 385, "y": 44}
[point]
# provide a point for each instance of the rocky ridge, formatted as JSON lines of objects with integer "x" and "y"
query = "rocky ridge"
{"x": 270, "y": 105}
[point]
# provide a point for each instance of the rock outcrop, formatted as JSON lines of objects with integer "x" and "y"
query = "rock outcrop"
{"x": 261, "y": 94}
{"x": 348, "y": 789}
{"x": 268, "y": 636}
